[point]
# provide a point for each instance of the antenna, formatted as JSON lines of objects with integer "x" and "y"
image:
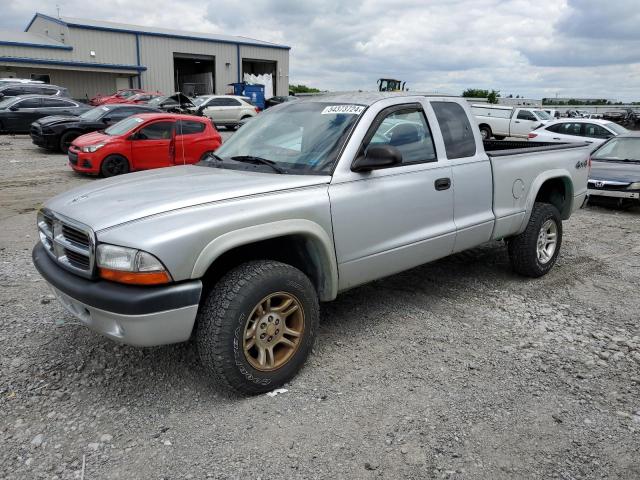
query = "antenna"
{"x": 58, "y": 10}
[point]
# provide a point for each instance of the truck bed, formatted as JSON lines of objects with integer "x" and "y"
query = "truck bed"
{"x": 501, "y": 148}
{"x": 521, "y": 167}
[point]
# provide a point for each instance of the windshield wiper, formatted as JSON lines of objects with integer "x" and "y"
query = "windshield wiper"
{"x": 260, "y": 160}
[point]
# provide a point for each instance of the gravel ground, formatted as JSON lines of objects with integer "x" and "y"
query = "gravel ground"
{"x": 458, "y": 369}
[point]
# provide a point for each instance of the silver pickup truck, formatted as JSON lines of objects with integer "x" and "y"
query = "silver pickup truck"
{"x": 309, "y": 199}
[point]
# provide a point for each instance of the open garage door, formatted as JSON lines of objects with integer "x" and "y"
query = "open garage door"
{"x": 194, "y": 74}
{"x": 259, "y": 67}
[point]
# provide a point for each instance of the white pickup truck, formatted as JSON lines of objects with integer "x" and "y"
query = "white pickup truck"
{"x": 309, "y": 199}
{"x": 502, "y": 121}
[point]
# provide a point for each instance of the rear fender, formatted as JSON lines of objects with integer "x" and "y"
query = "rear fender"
{"x": 567, "y": 207}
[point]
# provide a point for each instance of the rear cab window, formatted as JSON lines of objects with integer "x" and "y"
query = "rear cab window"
{"x": 457, "y": 133}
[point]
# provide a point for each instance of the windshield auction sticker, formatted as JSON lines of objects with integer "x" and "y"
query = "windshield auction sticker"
{"x": 344, "y": 109}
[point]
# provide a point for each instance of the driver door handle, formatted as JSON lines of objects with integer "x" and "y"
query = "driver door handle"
{"x": 442, "y": 183}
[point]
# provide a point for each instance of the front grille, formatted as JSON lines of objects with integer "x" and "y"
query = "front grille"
{"x": 73, "y": 157}
{"x": 77, "y": 259}
{"x": 69, "y": 243}
{"x": 608, "y": 185}
{"x": 75, "y": 236}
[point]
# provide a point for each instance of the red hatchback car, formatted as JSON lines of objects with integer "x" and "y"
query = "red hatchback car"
{"x": 145, "y": 141}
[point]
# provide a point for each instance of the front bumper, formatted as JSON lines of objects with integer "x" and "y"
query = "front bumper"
{"x": 83, "y": 162}
{"x": 45, "y": 140}
{"x": 613, "y": 193}
{"x": 140, "y": 316}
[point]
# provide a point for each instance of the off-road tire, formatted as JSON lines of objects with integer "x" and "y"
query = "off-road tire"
{"x": 66, "y": 139}
{"x": 523, "y": 247}
{"x": 107, "y": 171}
{"x": 223, "y": 316}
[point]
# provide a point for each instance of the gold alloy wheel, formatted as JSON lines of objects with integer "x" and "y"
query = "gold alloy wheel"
{"x": 273, "y": 331}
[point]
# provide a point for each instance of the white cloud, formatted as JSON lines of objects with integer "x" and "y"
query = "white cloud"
{"x": 568, "y": 47}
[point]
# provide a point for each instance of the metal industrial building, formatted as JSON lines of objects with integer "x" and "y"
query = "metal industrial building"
{"x": 90, "y": 57}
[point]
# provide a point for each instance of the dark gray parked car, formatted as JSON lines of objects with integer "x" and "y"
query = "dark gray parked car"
{"x": 18, "y": 113}
{"x": 16, "y": 89}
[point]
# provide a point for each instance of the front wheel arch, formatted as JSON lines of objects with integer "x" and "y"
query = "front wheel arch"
{"x": 300, "y": 243}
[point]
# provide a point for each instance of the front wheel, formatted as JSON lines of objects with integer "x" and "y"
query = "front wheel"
{"x": 257, "y": 326}
{"x": 534, "y": 252}
{"x": 66, "y": 139}
{"x": 114, "y": 165}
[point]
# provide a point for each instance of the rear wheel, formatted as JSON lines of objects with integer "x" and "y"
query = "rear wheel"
{"x": 114, "y": 165}
{"x": 257, "y": 326}
{"x": 66, "y": 139}
{"x": 485, "y": 131}
{"x": 535, "y": 251}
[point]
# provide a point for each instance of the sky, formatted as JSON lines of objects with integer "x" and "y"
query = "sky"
{"x": 536, "y": 49}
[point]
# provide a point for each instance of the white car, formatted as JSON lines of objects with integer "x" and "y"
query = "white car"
{"x": 4, "y": 81}
{"x": 577, "y": 130}
{"x": 226, "y": 110}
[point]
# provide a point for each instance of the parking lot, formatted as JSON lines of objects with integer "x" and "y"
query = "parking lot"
{"x": 457, "y": 369}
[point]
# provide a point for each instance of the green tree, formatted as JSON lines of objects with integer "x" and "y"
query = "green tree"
{"x": 475, "y": 93}
{"x": 493, "y": 96}
{"x": 302, "y": 89}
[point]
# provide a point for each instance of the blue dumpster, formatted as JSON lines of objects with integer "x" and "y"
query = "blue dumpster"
{"x": 238, "y": 88}
{"x": 256, "y": 94}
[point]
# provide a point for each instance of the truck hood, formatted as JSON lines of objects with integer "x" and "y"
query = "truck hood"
{"x": 110, "y": 202}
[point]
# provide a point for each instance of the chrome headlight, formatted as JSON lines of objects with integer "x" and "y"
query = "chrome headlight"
{"x": 92, "y": 148}
{"x": 129, "y": 265}
{"x": 634, "y": 186}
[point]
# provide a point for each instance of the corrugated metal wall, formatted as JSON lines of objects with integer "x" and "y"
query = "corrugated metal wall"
{"x": 81, "y": 84}
{"x": 110, "y": 47}
{"x": 280, "y": 56}
{"x": 156, "y": 53}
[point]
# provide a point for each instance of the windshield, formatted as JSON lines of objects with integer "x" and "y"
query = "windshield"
{"x": 200, "y": 100}
{"x": 123, "y": 126}
{"x": 125, "y": 94}
{"x": 94, "y": 113}
{"x": 298, "y": 137}
{"x": 542, "y": 115}
{"x": 619, "y": 129}
{"x": 619, "y": 149}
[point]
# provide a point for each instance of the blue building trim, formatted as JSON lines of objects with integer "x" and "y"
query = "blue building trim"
{"x": 138, "y": 60}
{"x": 153, "y": 34}
{"x": 35, "y": 45}
{"x": 111, "y": 66}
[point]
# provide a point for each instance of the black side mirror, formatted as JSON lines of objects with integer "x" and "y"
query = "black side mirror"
{"x": 106, "y": 119}
{"x": 14, "y": 109}
{"x": 377, "y": 157}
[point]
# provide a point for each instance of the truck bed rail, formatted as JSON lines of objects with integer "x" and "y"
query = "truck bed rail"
{"x": 502, "y": 148}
